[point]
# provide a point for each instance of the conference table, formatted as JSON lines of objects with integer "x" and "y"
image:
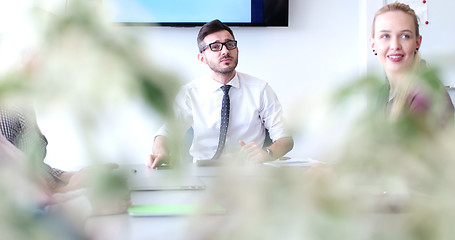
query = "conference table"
{"x": 124, "y": 226}
{"x": 278, "y": 189}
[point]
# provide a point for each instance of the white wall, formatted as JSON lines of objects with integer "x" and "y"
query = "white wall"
{"x": 325, "y": 46}
{"x": 438, "y": 36}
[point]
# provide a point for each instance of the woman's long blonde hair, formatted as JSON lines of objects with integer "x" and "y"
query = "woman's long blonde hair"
{"x": 405, "y": 85}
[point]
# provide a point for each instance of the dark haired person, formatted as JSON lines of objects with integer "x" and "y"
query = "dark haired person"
{"x": 18, "y": 125}
{"x": 228, "y": 111}
{"x": 24, "y": 147}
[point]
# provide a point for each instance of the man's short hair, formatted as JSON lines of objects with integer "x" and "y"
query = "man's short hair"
{"x": 209, "y": 28}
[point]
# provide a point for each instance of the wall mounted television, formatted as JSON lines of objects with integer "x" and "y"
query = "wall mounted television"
{"x": 190, "y": 13}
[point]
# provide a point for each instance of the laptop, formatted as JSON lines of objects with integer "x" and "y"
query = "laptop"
{"x": 165, "y": 183}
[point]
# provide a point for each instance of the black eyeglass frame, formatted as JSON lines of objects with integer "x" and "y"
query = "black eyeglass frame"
{"x": 222, "y": 44}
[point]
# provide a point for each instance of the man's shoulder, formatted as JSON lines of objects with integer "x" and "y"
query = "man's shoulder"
{"x": 197, "y": 86}
{"x": 198, "y": 82}
{"x": 251, "y": 80}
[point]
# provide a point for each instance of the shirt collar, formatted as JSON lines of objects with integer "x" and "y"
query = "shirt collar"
{"x": 213, "y": 85}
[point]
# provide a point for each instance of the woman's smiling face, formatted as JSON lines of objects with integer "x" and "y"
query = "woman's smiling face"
{"x": 395, "y": 41}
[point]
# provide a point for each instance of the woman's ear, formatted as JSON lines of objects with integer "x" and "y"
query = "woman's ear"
{"x": 372, "y": 42}
{"x": 372, "y": 45}
{"x": 419, "y": 41}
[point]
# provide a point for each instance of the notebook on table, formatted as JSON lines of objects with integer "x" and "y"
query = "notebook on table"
{"x": 157, "y": 210}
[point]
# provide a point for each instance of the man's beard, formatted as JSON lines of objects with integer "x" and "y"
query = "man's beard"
{"x": 229, "y": 70}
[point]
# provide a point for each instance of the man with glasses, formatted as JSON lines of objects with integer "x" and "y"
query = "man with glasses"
{"x": 249, "y": 108}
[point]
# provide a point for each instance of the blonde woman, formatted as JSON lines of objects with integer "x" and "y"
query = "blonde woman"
{"x": 396, "y": 40}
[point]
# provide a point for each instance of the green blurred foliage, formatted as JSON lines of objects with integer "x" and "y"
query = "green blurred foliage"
{"x": 81, "y": 61}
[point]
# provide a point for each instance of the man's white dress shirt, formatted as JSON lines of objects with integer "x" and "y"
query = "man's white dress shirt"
{"x": 254, "y": 108}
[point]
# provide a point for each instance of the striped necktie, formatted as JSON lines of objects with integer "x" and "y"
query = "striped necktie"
{"x": 226, "y": 105}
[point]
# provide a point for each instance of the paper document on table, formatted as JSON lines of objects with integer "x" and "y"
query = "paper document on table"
{"x": 293, "y": 162}
{"x": 157, "y": 210}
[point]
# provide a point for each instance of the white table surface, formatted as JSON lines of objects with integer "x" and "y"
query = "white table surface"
{"x": 126, "y": 227}
{"x": 383, "y": 206}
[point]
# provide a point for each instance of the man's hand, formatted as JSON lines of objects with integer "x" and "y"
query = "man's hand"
{"x": 83, "y": 177}
{"x": 160, "y": 155}
{"x": 253, "y": 153}
{"x": 155, "y": 161}
{"x": 102, "y": 205}
{"x": 113, "y": 206}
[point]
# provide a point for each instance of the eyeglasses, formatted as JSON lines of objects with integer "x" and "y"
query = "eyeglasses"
{"x": 218, "y": 46}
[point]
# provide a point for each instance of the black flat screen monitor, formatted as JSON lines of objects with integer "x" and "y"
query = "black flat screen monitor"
{"x": 189, "y": 13}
